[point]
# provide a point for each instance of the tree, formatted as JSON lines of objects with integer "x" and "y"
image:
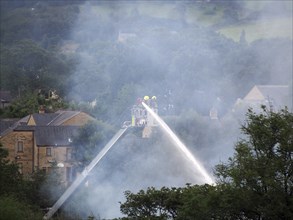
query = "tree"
{"x": 256, "y": 183}
{"x": 30, "y": 103}
{"x": 261, "y": 171}
{"x": 27, "y": 67}
{"x": 152, "y": 203}
{"x": 23, "y": 197}
{"x": 9, "y": 176}
{"x": 12, "y": 208}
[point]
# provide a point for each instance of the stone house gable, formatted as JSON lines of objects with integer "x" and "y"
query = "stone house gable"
{"x": 39, "y": 140}
{"x": 20, "y": 148}
{"x": 273, "y": 93}
{"x": 273, "y": 96}
{"x": 254, "y": 94}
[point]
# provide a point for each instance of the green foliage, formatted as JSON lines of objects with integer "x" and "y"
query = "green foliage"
{"x": 10, "y": 178}
{"x": 24, "y": 197}
{"x": 152, "y": 203}
{"x": 261, "y": 169}
{"x": 19, "y": 197}
{"x": 30, "y": 103}
{"x": 11, "y": 208}
{"x": 22, "y": 107}
{"x": 111, "y": 73}
{"x": 257, "y": 182}
{"x": 158, "y": 59}
{"x": 26, "y": 67}
{"x": 40, "y": 22}
{"x": 188, "y": 203}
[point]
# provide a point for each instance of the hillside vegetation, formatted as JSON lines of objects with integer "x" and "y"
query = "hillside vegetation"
{"x": 73, "y": 48}
{"x": 100, "y": 56}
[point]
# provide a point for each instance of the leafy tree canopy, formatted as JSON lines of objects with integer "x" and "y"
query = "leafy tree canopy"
{"x": 256, "y": 183}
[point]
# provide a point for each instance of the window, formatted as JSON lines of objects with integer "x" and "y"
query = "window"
{"x": 47, "y": 170}
{"x": 20, "y": 146}
{"x": 48, "y": 151}
{"x": 68, "y": 154}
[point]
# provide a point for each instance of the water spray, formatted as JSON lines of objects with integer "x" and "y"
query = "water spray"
{"x": 116, "y": 137}
{"x": 180, "y": 145}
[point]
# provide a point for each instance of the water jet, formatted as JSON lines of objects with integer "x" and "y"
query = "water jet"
{"x": 179, "y": 144}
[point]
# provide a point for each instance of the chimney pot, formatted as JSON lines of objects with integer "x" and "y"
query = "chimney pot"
{"x": 41, "y": 109}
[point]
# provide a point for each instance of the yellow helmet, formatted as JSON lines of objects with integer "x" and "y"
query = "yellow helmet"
{"x": 146, "y": 98}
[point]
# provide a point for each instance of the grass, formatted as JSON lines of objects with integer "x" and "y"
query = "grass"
{"x": 274, "y": 28}
{"x": 206, "y": 15}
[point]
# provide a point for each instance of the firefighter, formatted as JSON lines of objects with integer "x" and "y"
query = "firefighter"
{"x": 147, "y": 100}
{"x": 154, "y": 102}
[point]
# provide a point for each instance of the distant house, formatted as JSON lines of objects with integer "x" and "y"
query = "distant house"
{"x": 69, "y": 47}
{"x": 38, "y": 141}
{"x": 213, "y": 113}
{"x": 274, "y": 97}
{"x": 5, "y": 98}
{"x": 123, "y": 37}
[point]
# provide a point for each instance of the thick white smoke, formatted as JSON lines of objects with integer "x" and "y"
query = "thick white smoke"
{"x": 154, "y": 52}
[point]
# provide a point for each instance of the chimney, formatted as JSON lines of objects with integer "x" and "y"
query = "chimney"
{"x": 41, "y": 109}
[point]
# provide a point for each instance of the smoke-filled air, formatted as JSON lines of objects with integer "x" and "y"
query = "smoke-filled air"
{"x": 129, "y": 49}
{"x": 175, "y": 79}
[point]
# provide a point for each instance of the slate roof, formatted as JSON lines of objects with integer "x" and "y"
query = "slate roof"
{"x": 51, "y": 135}
{"x": 62, "y": 117}
{"x": 44, "y": 119}
{"x": 6, "y": 123}
{"x": 20, "y": 122}
{"x": 55, "y": 135}
{"x": 25, "y": 128}
{"x": 48, "y": 129}
{"x": 56, "y": 118}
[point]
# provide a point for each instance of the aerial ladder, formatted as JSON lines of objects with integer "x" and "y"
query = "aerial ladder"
{"x": 84, "y": 174}
{"x": 139, "y": 118}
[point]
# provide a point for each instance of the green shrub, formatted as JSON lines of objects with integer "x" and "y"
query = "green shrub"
{"x": 11, "y": 209}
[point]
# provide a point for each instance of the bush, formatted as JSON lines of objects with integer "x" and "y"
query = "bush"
{"x": 11, "y": 208}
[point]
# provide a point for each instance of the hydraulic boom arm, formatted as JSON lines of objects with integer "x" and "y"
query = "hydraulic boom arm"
{"x": 83, "y": 175}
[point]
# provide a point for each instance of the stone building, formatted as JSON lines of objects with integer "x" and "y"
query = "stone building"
{"x": 41, "y": 140}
